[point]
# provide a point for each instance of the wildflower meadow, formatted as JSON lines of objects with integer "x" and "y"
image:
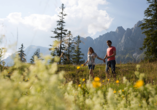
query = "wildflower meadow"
{"x": 43, "y": 86}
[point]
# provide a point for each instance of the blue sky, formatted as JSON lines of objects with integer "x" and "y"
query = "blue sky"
{"x": 35, "y": 19}
{"x": 126, "y": 13}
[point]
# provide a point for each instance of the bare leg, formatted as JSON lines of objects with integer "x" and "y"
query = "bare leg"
{"x": 91, "y": 73}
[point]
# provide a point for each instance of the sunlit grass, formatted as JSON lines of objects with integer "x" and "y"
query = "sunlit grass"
{"x": 127, "y": 70}
{"x": 39, "y": 86}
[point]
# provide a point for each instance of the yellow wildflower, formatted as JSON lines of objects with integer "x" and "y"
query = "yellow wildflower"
{"x": 15, "y": 100}
{"x": 122, "y": 90}
{"x": 108, "y": 79}
{"x": 82, "y": 65}
{"x": 117, "y": 81}
{"x": 138, "y": 84}
{"x": 96, "y": 79}
{"x": 28, "y": 78}
{"x": 103, "y": 81}
{"x": 83, "y": 79}
{"x": 78, "y": 67}
{"x": 79, "y": 85}
{"x": 96, "y": 84}
{"x": 114, "y": 91}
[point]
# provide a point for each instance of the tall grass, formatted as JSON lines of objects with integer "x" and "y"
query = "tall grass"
{"x": 64, "y": 87}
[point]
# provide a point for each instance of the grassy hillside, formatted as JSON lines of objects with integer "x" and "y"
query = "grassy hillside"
{"x": 127, "y": 70}
{"x": 49, "y": 87}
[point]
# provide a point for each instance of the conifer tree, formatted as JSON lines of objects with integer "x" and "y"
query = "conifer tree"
{"x": 37, "y": 53}
{"x": 2, "y": 51}
{"x": 68, "y": 54}
{"x": 54, "y": 53}
{"x": 77, "y": 59}
{"x": 149, "y": 27}
{"x": 60, "y": 33}
{"x": 22, "y": 54}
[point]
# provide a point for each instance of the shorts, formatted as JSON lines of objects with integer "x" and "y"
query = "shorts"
{"x": 111, "y": 64}
{"x": 91, "y": 66}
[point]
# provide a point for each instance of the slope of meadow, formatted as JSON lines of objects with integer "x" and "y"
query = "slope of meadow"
{"x": 44, "y": 87}
{"x": 123, "y": 70}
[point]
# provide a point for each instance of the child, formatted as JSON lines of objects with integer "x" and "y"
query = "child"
{"x": 91, "y": 55}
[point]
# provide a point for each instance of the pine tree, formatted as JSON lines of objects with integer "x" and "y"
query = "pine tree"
{"x": 68, "y": 54}
{"x": 37, "y": 53}
{"x": 53, "y": 54}
{"x": 2, "y": 51}
{"x": 22, "y": 54}
{"x": 60, "y": 33}
{"x": 77, "y": 59}
{"x": 149, "y": 28}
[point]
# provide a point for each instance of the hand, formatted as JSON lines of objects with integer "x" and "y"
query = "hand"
{"x": 107, "y": 57}
{"x": 83, "y": 64}
{"x": 104, "y": 60}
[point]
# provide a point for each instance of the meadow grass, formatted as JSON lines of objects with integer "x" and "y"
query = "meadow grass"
{"x": 67, "y": 87}
{"x": 122, "y": 70}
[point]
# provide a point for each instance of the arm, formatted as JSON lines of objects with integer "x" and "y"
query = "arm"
{"x": 85, "y": 62}
{"x": 98, "y": 57}
{"x": 105, "y": 57}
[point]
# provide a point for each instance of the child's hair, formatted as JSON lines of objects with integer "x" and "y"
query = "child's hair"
{"x": 92, "y": 51}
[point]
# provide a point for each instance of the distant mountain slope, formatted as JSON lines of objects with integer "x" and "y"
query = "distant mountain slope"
{"x": 127, "y": 43}
{"x": 29, "y": 51}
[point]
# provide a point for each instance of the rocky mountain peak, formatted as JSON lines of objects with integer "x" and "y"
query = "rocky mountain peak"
{"x": 120, "y": 29}
{"x": 137, "y": 24}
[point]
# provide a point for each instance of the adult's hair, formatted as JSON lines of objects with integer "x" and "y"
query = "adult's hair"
{"x": 92, "y": 51}
{"x": 109, "y": 41}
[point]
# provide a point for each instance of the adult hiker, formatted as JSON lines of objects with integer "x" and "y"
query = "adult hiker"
{"x": 110, "y": 56}
{"x": 91, "y": 55}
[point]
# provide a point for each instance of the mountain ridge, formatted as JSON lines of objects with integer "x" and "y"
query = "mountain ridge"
{"x": 127, "y": 43}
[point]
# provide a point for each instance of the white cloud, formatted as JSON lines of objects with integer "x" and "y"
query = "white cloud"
{"x": 32, "y": 30}
{"x": 39, "y": 22}
{"x": 84, "y": 18}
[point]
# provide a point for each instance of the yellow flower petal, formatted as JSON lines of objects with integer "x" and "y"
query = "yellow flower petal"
{"x": 79, "y": 85}
{"x": 78, "y": 67}
{"x": 96, "y": 79}
{"x": 138, "y": 84}
{"x": 117, "y": 81}
{"x": 96, "y": 84}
